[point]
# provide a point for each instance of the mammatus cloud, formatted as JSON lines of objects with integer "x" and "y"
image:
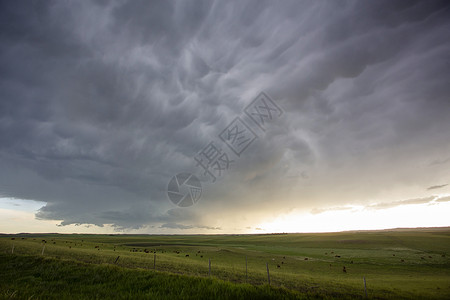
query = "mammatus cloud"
{"x": 103, "y": 102}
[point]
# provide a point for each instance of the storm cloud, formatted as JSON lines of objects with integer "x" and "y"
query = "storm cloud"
{"x": 101, "y": 103}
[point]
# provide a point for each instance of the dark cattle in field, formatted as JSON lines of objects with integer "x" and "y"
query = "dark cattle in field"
{"x": 198, "y": 251}
{"x": 201, "y": 256}
{"x": 187, "y": 255}
{"x": 282, "y": 262}
{"x": 284, "y": 257}
{"x": 278, "y": 266}
{"x": 13, "y": 239}
{"x": 344, "y": 270}
{"x": 393, "y": 254}
{"x": 430, "y": 257}
{"x": 306, "y": 258}
{"x": 338, "y": 256}
{"x": 402, "y": 260}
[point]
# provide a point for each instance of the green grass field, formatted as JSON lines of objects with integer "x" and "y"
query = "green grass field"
{"x": 399, "y": 264}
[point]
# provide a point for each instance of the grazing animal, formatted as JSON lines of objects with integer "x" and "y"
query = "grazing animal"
{"x": 344, "y": 270}
{"x": 430, "y": 257}
{"x": 443, "y": 255}
{"x": 13, "y": 239}
{"x": 198, "y": 251}
{"x": 284, "y": 257}
{"x": 282, "y": 262}
{"x": 422, "y": 257}
{"x": 187, "y": 255}
{"x": 201, "y": 256}
{"x": 326, "y": 253}
{"x": 351, "y": 262}
{"x": 332, "y": 252}
{"x": 338, "y": 256}
{"x": 393, "y": 254}
{"x": 96, "y": 247}
{"x": 278, "y": 266}
{"x": 402, "y": 260}
{"x": 306, "y": 258}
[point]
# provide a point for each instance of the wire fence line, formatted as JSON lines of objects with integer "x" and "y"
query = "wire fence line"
{"x": 257, "y": 273}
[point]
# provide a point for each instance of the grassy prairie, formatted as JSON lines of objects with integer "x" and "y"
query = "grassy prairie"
{"x": 398, "y": 264}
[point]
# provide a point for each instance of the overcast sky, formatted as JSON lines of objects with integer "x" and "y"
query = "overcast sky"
{"x": 101, "y": 103}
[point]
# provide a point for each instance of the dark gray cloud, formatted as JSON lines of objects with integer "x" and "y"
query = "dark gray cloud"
{"x": 103, "y": 102}
{"x": 433, "y": 187}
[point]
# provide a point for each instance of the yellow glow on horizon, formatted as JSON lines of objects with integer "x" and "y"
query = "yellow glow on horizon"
{"x": 361, "y": 218}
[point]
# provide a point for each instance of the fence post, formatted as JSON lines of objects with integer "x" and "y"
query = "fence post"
{"x": 210, "y": 267}
{"x": 268, "y": 275}
{"x": 246, "y": 273}
{"x": 365, "y": 289}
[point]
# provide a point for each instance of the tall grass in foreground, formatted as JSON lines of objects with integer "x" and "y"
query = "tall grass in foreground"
{"x": 25, "y": 277}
